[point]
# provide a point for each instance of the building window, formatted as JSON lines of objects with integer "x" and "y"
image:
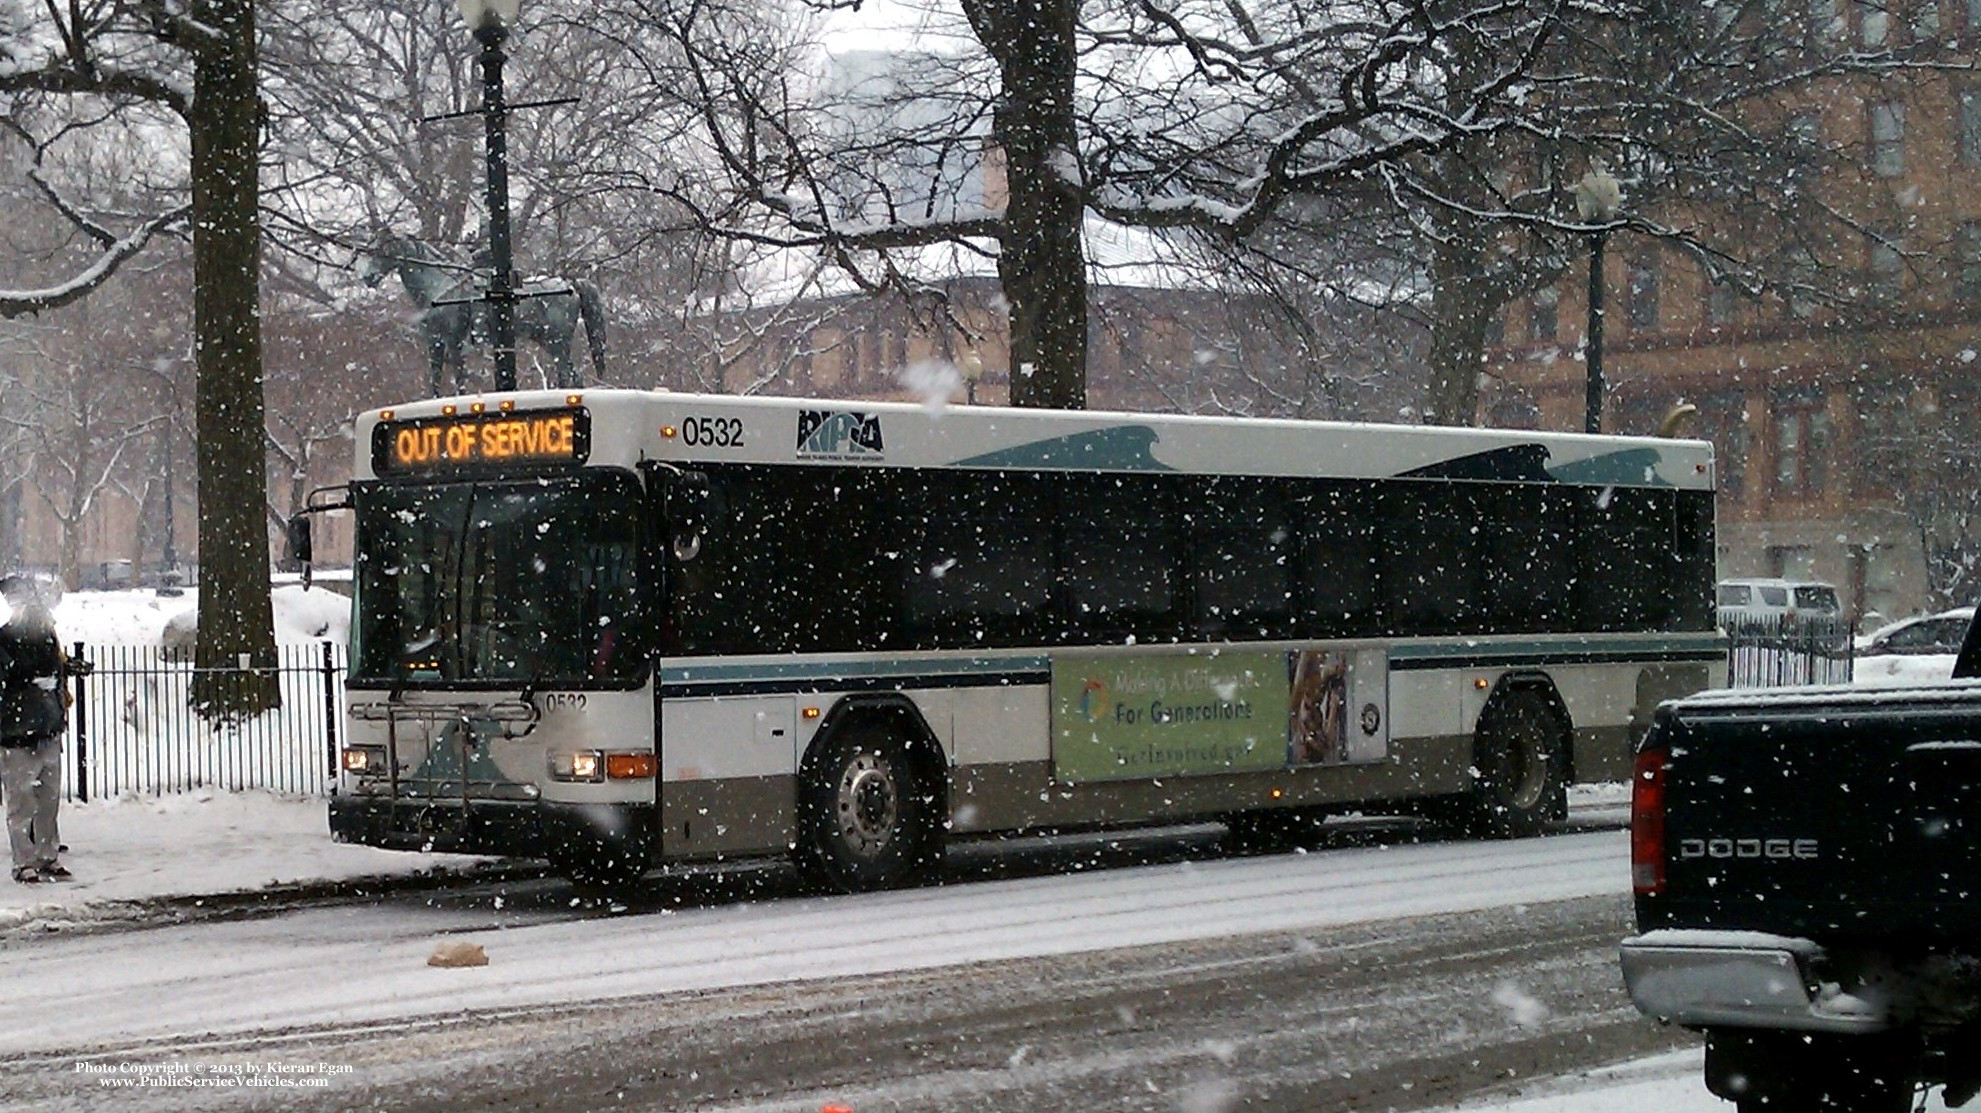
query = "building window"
{"x": 1723, "y": 421}
{"x": 1885, "y": 262}
{"x": 1883, "y": 442}
{"x": 1641, "y": 275}
{"x": 1722, "y": 302}
{"x": 1926, "y": 20}
{"x": 1543, "y": 315}
{"x": 1874, "y": 24}
{"x": 1883, "y": 583}
{"x": 1802, "y": 444}
{"x": 1967, "y": 261}
{"x": 1800, "y": 296}
{"x": 1970, "y": 127}
{"x": 1888, "y": 138}
{"x": 1791, "y": 562}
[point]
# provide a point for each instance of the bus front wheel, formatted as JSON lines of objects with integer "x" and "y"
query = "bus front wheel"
{"x": 1520, "y": 766}
{"x": 868, "y": 822}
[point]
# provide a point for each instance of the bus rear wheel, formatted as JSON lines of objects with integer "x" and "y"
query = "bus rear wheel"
{"x": 1520, "y": 762}
{"x": 866, "y": 820}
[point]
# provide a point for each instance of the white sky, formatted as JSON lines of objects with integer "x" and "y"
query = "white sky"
{"x": 897, "y": 25}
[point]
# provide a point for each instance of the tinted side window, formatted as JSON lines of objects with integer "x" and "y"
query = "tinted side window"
{"x": 791, "y": 563}
{"x": 1629, "y": 537}
{"x": 1117, "y": 556}
{"x": 1240, "y": 539}
{"x": 1340, "y": 562}
{"x": 978, "y": 569}
{"x": 1434, "y": 556}
{"x": 1528, "y": 555}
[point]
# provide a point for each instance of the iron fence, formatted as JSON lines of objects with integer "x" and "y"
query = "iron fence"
{"x": 134, "y": 728}
{"x": 1773, "y": 652}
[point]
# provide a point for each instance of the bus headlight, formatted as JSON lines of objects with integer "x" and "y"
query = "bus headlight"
{"x": 365, "y": 761}
{"x": 578, "y": 765}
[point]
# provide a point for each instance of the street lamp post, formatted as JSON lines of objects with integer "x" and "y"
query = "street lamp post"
{"x": 1598, "y": 200}
{"x": 971, "y": 366}
{"x": 490, "y": 21}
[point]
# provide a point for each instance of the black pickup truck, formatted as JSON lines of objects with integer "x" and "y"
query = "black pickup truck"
{"x": 1807, "y": 870}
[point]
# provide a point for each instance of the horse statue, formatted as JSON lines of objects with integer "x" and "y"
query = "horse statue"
{"x": 547, "y": 312}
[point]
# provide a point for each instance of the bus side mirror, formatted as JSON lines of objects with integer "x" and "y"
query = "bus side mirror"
{"x": 300, "y": 549}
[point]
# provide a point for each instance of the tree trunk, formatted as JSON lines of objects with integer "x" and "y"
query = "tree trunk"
{"x": 1041, "y": 263}
{"x": 236, "y": 626}
{"x": 1461, "y": 304}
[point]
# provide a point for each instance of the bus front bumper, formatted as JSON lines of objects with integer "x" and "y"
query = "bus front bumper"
{"x": 500, "y": 827}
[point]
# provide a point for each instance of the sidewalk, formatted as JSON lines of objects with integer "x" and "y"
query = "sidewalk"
{"x": 205, "y": 843}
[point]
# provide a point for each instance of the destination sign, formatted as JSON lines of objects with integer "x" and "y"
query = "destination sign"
{"x": 481, "y": 442}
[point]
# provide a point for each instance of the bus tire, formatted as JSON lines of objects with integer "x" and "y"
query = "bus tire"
{"x": 866, "y": 819}
{"x": 1520, "y": 759}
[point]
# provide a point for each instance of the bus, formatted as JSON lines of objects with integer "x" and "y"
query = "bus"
{"x": 619, "y": 629}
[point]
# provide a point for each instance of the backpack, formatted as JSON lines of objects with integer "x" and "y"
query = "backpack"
{"x": 31, "y": 703}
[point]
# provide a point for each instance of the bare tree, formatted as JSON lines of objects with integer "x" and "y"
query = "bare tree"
{"x": 1442, "y": 135}
{"x": 197, "y": 61}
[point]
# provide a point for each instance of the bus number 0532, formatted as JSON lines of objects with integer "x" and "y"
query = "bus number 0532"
{"x": 712, "y": 432}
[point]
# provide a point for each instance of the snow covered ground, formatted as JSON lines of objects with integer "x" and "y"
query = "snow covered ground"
{"x": 200, "y": 843}
{"x": 1661, "y": 1084}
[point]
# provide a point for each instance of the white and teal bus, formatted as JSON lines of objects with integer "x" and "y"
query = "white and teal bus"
{"x": 620, "y": 628}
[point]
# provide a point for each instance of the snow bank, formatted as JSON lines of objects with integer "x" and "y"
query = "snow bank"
{"x": 140, "y": 617}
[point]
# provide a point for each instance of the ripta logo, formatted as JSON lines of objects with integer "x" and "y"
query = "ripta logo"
{"x": 838, "y": 435}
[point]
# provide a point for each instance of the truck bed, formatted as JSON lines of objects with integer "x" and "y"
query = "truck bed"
{"x": 1835, "y": 814}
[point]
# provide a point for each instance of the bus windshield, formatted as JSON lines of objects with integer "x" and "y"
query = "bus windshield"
{"x": 528, "y": 583}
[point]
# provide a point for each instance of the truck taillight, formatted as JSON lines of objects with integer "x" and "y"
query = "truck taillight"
{"x": 1647, "y": 824}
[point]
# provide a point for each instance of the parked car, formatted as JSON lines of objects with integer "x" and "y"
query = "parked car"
{"x": 1926, "y": 633}
{"x": 1772, "y": 599}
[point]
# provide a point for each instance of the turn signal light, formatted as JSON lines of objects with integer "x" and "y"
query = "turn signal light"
{"x": 628, "y": 767}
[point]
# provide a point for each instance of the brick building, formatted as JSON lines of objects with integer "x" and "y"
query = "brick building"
{"x": 1847, "y": 429}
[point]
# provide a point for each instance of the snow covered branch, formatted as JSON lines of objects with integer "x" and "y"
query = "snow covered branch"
{"x": 16, "y": 303}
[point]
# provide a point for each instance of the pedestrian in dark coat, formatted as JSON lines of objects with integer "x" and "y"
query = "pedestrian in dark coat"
{"x": 32, "y": 715}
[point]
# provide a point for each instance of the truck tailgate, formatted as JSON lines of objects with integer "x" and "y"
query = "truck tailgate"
{"x": 1826, "y": 813}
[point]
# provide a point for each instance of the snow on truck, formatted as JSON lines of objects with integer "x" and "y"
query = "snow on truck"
{"x": 1807, "y": 873}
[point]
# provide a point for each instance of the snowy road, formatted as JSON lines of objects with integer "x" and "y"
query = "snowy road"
{"x": 1359, "y": 969}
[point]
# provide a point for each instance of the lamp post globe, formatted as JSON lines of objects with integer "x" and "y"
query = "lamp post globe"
{"x": 480, "y": 13}
{"x": 490, "y": 21}
{"x": 1598, "y": 196}
{"x": 1598, "y": 201}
